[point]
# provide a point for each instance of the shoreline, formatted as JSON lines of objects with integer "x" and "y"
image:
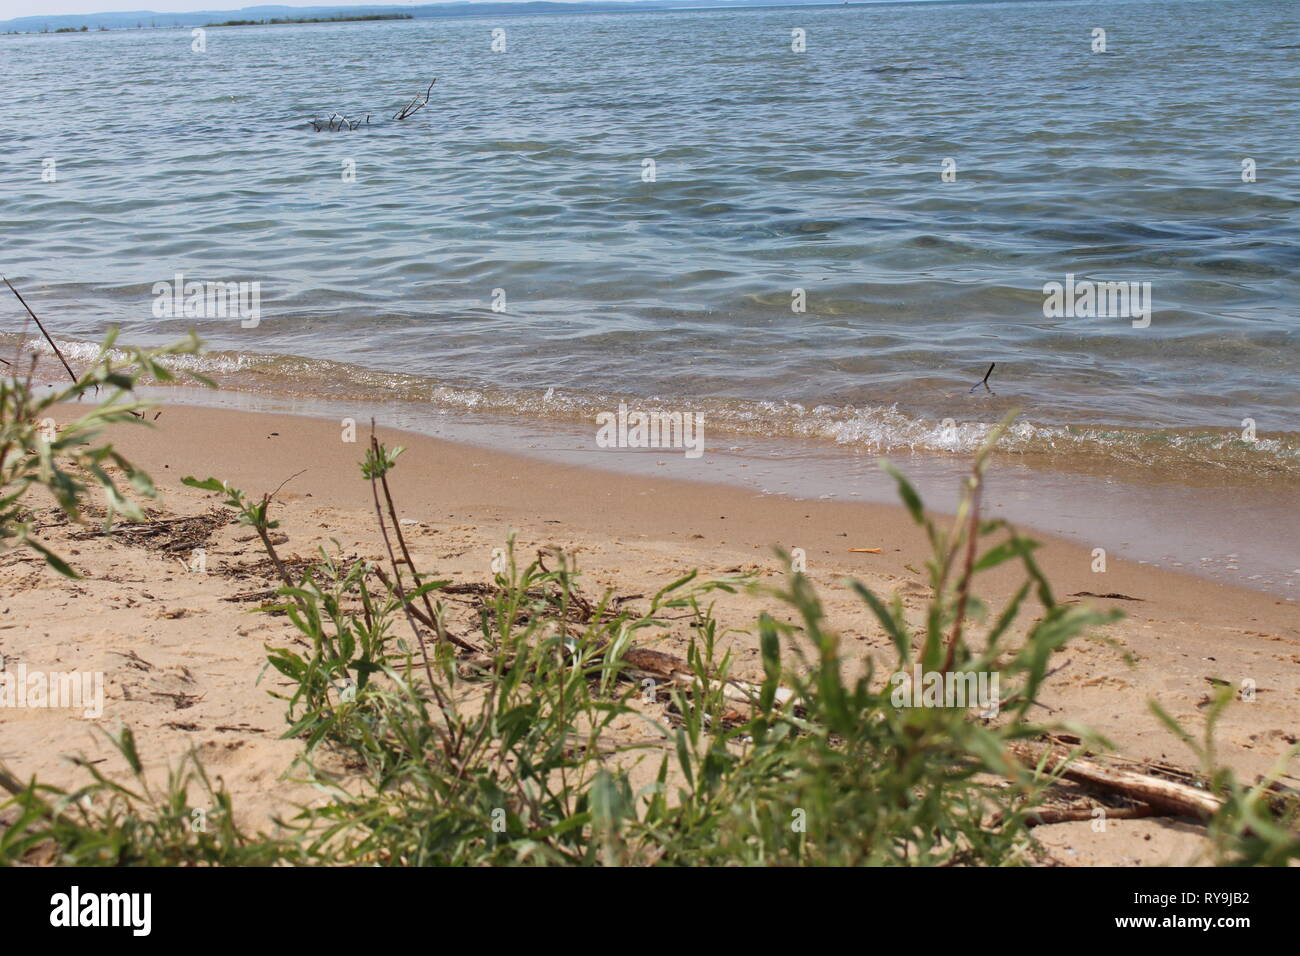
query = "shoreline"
{"x": 682, "y": 500}
{"x": 1230, "y": 533}
{"x": 1160, "y": 498}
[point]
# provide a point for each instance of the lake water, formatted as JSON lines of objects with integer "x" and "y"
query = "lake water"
{"x": 832, "y": 247}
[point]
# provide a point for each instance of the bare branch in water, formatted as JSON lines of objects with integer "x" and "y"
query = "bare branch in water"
{"x": 339, "y": 121}
{"x": 66, "y": 366}
{"x": 416, "y": 104}
{"x": 985, "y": 381}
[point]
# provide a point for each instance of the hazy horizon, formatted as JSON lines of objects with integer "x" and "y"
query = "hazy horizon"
{"x": 13, "y": 9}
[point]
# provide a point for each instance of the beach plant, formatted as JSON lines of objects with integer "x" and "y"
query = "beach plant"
{"x": 69, "y": 460}
{"x": 1258, "y": 824}
{"x": 500, "y": 749}
{"x": 869, "y": 781}
{"x": 188, "y": 821}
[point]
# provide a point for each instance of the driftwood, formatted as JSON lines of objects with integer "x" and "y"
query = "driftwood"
{"x": 12, "y": 784}
{"x": 1166, "y": 796}
{"x": 1048, "y": 815}
{"x": 642, "y": 663}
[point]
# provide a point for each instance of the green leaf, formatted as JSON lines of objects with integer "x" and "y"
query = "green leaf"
{"x": 683, "y": 757}
{"x": 209, "y": 484}
{"x": 905, "y": 491}
{"x": 52, "y": 559}
{"x": 126, "y": 743}
{"x": 1016, "y": 547}
{"x": 902, "y": 641}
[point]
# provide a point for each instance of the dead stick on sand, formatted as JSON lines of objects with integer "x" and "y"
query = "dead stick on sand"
{"x": 985, "y": 380}
{"x": 1046, "y": 815}
{"x": 1043, "y": 816}
{"x": 1167, "y": 795}
{"x": 42, "y": 328}
{"x": 430, "y": 622}
{"x": 11, "y": 783}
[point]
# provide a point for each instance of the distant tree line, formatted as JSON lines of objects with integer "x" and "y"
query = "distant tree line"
{"x": 251, "y": 23}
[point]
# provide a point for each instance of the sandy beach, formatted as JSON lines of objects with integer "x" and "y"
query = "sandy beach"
{"x": 184, "y": 659}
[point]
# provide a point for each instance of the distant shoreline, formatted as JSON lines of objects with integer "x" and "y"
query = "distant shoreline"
{"x": 284, "y": 20}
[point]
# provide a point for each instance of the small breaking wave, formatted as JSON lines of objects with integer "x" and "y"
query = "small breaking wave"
{"x": 877, "y": 429}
